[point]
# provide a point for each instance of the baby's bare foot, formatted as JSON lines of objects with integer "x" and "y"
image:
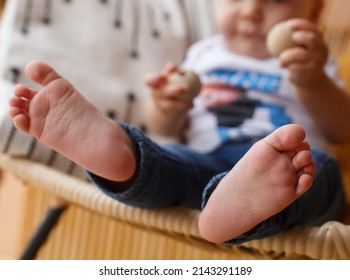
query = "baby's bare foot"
{"x": 61, "y": 118}
{"x": 274, "y": 172}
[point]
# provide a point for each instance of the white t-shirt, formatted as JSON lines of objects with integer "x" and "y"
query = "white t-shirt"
{"x": 242, "y": 97}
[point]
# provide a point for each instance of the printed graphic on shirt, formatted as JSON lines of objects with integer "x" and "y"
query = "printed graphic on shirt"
{"x": 238, "y": 116}
{"x": 244, "y": 79}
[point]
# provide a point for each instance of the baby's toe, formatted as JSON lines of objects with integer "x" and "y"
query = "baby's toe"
{"x": 24, "y": 92}
{"x": 302, "y": 159}
{"x": 41, "y": 73}
{"x": 21, "y": 122}
{"x": 19, "y": 103}
{"x": 304, "y": 184}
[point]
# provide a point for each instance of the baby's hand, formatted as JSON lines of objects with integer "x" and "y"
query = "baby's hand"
{"x": 170, "y": 92}
{"x": 306, "y": 61}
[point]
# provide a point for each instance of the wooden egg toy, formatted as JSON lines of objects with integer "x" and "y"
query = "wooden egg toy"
{"x": 187, "y": 77}
{"x": 280, "y": 38}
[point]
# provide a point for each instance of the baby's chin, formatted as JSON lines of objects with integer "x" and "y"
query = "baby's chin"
{"x": 250, "y": 50}
{"x": 253, "y": 53}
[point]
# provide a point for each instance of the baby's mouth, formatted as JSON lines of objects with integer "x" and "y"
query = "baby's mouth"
{"x": 250, "y": 33}
{"x": 249, "y": 30}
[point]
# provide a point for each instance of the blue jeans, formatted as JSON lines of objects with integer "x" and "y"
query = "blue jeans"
{"x": 173, "y": 175}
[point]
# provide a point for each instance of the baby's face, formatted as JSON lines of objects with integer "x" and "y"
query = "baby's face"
{"x": 246, "y": 23}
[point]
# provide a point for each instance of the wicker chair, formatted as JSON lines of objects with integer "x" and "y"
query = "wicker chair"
{"x": 330, "y": 241}
{"x": 94, "y": 226}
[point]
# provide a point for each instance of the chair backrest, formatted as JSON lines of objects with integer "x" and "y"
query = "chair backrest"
{"x": 141, "y": 37}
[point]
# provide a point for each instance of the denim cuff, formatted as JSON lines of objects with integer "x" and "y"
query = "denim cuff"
{"x": 135, "y": 189}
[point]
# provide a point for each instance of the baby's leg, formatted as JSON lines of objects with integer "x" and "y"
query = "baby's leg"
{"x": 61, "y": 118}
{"x": 274, "y": 172}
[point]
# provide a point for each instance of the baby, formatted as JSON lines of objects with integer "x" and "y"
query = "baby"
{"x": 251, "y": 181}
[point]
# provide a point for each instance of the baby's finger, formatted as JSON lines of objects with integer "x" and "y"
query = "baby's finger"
{"x": 294, "y": 55}
{"x": 308, "y": 39}
{"x": 176, "y": 90}
{"x": 170, "y": 67}
{"x": 170, "y": 91}
{"x": 300, "y": 69}
{"x": 299, "y": 74}
{"x": 154, "y": 80}
{"x": 302, "y": 24}
{"x": 174, "y": 105}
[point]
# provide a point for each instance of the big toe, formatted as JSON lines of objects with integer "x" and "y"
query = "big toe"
{"x": 41, "y": 73}
{"x": 287, "y": 137}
